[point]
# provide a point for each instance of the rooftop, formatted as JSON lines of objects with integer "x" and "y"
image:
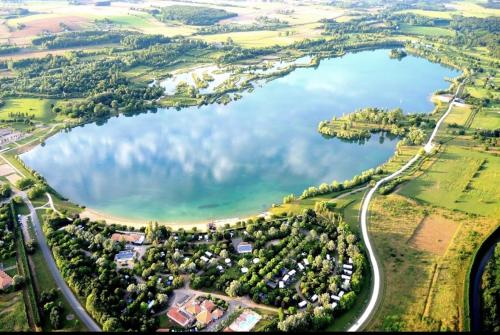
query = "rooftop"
{"x": 179, "y": 316}
{"x": 5, "y": 280}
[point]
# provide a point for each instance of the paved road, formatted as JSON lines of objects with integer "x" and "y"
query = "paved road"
{"x": 370, "y": 309}
{"x": 47, "y": 254}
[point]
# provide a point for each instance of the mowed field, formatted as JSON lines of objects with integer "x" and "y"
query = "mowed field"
{"x": 461, "y": 179}
{"x": 424, "y": 252}
{"x": 426, "y": 31}
{"x": 40, "y": 108}
{"x": 487, "y": 118}
{"x": 13, "y": 313}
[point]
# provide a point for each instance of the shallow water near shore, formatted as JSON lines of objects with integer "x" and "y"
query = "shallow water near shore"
{"x": 217, "y": 162}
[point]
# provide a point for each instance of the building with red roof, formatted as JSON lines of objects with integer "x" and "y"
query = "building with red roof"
{"x": 208, "y": 305}
{"x": 5, "y": 280}
{"x": 180, "y": 317}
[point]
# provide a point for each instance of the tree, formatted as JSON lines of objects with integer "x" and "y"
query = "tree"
{"x": 111, "y": 325}
{"x": 233, "y": 289}
{"x": 55, "y": 318}
{"x": 18, "y": 281}
{"x": 347, "y": 300}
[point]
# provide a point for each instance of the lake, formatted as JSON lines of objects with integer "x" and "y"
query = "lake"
{"x": 217, "y": 161}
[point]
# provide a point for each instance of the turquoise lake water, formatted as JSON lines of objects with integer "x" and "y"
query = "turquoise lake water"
{"x": 217, "y": 161}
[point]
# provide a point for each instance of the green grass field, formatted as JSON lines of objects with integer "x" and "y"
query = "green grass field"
{"x": 426, "y": 31}
{"x": 458, "y": 115}
{"x": 487, "y": 118}
{"x": 460, "y": 179}
{"x": 12, "y": 313}
{"x": 41, "y": 108}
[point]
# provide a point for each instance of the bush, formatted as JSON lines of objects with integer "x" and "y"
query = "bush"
{"x": 25, "y": 183}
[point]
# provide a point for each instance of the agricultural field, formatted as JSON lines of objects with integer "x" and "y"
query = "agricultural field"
{"x": 426, "y": 31}
{"x": 487, "y": 118}
{"x": 93, "y": 63}
{"x": 13, "y": 313}
{"x": 458, "y": 115}
{"x": 423, "y": 250}
{"x": 460, "y": 179}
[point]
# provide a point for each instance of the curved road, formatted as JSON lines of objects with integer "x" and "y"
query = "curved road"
{"x": 370, "y": 309}
{"x": 49, "y": 259}
{"x": 47, "y": 254}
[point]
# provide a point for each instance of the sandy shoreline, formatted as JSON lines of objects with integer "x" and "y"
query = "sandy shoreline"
{"x": 200, "y": 225}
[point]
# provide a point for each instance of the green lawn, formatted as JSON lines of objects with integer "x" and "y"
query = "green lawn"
{"x": 41, "y": 108}
{"x": 12, "y": 313}
{"x": 460, "y": 179}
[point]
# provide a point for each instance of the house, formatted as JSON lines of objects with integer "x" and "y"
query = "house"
{"x": 5, "y": 280}
{"x": 217, "y": 314}
{"x": 205, "y": 317}
{"x": 302, "y": 304}
{"x": 133, "y": 238}
{"x": 208, "y": 305}
{"x": 125, "y": 258}
{"x": 244, "y": 247}
{"x": 314, "y": 298}
{"x": 193, "y": 307}
{"x": 179, "y": 316}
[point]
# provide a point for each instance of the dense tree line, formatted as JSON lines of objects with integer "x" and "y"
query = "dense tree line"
{"x": 490, "y": 293}
{"x": 194, "y": 15}
{"x": 78, "y": 39}
{"x": 6, "y": 49}
{"x": 7, "y": 242}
